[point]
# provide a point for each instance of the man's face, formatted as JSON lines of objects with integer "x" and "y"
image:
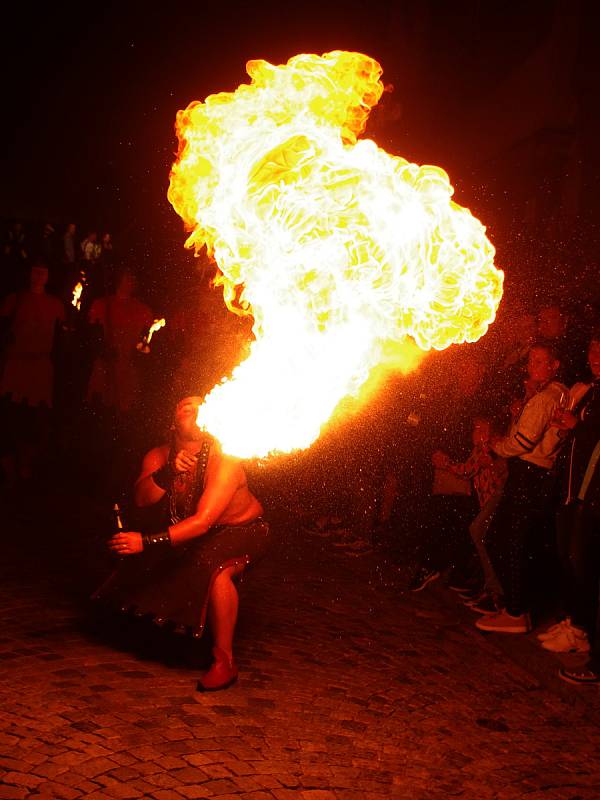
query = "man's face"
{"x": 39, "y": 278}
{"x": 186, "y": 412}
{"x": 541, "y": 367}
{"x": 594, "y": 358}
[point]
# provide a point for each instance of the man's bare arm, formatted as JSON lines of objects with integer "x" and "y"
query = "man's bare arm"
{"x": 218, "y": 494}
{"x": 146, "y": 492}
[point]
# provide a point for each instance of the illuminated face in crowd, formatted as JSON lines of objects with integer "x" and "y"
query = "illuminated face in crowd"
{"x": 541, "y": 366}
{"x": 186, "y": 412}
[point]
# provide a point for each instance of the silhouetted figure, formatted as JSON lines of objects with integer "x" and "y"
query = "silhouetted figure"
{"x": 28, "y": 373}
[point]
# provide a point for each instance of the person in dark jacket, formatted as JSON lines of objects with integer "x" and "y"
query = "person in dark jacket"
{"x": 578, "y": 526}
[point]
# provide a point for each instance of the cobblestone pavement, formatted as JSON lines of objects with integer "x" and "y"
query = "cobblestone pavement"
{"x": 350, "y": 688}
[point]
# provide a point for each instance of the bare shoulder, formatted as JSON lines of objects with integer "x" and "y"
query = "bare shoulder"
{"x": 155, "y": 458}
{"x": 222, "y": 464}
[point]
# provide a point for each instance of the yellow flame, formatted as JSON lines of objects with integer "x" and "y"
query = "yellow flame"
{"x": 338, "y": 249}
{"x": 76, "y": 300}
{"x": 156, "y": 326}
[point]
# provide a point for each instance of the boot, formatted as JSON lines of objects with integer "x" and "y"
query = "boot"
{"x": 222, "y": 674}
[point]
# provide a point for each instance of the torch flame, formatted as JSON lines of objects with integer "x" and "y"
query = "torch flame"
{"x": 156, "y": 326}
{"x": 338, "y": 249}
{"x": 76, "y": 300}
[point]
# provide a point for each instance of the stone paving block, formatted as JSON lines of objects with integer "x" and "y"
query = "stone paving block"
{"x": 166, "y": 794}
{"x": 171, "y": 762}
{"x": 58, "y": 790}
{"x": 193, "y": 792}
{"x": 123, "y": 791}
{"x": 23, "y": 779}
{"x": 12, "y": 793}
{"x": 95, "y": 766}
{"x": 162, "y": 780}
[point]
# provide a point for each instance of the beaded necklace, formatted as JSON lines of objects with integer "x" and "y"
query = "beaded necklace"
{"x": 187, "y": 504}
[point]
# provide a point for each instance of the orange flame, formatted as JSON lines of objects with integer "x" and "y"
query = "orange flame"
{"x": 156, "y": 326}
{"x": 76, "y": 299}
{"x": 338, "y": 249}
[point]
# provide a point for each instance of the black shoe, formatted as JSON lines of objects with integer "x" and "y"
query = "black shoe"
{"x": 422, "y": 578}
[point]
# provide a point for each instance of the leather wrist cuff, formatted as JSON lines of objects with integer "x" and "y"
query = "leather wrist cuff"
{"x": 164, "y": 476}
{"x": 157, "y": 541}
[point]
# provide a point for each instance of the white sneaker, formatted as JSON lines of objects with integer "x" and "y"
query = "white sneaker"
{"x": 569, "y": 639}
{"x": 553, "y": 630}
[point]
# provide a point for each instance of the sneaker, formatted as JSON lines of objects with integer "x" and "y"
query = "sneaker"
{"x": 422, "y": 578}
{"x": 580, "y": 677}
{"x": 568, "y": 639}
{"x": 503, "y": 622}
{"x": 553, "y": 630}
{"x": 485, "y": 604}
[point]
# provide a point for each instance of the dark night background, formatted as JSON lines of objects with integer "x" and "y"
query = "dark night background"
{"x": 503, "y": 96}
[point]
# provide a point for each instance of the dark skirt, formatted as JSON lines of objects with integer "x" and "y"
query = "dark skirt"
{"x": 174, "y": 586}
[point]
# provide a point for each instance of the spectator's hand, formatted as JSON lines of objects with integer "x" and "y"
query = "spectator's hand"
{"x": 126, "y": 544}
{"x": 440, "y": 459}
{"x": 184, "y": 461}
{"x": 563, "y": 419}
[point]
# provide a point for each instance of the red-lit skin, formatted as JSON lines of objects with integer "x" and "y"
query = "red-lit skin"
{"x": 226, "y": 499}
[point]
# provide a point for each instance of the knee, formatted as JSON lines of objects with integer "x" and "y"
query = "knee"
{"x": 228, "y": 573}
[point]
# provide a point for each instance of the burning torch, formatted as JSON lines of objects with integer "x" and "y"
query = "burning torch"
{"x": 78, "y": 291}
{"x": 144, "y": 345}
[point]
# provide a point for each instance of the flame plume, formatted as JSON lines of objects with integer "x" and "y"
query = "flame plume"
{"x": 338, "y": 249}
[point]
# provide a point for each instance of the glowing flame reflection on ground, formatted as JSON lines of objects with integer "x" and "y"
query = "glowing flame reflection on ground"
{"x": 338, "y": 249}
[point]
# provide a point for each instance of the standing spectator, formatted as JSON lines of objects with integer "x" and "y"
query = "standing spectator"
{"x": 579, "y": 529}
{"x": 28, "y": 375}
{"x": 15, "y": 254}
{"x": 48, "y": 245}
{"x": 90, "y": 249}
{"x": 487, "y": 471}
{"x": 123, "y": 320}
{"x": 443, "y": 516}
{"x": 553, "y": 329}
{"x": 70, "y": 245}
{"x": 106, "y": 246}
{"x": 531, "y": 446}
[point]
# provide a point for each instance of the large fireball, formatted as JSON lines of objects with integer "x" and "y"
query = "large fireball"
{"x": 338, "y": 249}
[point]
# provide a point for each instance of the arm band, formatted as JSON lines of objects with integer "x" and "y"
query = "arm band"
{"x": 157, "y": 541}
{"x": 164, "y": 476}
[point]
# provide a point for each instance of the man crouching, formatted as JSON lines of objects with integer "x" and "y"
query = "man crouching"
{"x": 214, "y": 530}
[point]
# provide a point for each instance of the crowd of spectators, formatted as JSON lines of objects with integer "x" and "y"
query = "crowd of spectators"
{"x": 513, "y": 525}
{"x": 485, "y": 459}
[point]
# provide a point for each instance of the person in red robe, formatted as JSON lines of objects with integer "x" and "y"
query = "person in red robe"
{"x": 124, "y": 319}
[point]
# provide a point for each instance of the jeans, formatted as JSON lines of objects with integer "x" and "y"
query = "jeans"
{"x": 520, "y": 528}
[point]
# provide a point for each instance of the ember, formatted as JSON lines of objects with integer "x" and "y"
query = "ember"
{"x": 340, "y": 251}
